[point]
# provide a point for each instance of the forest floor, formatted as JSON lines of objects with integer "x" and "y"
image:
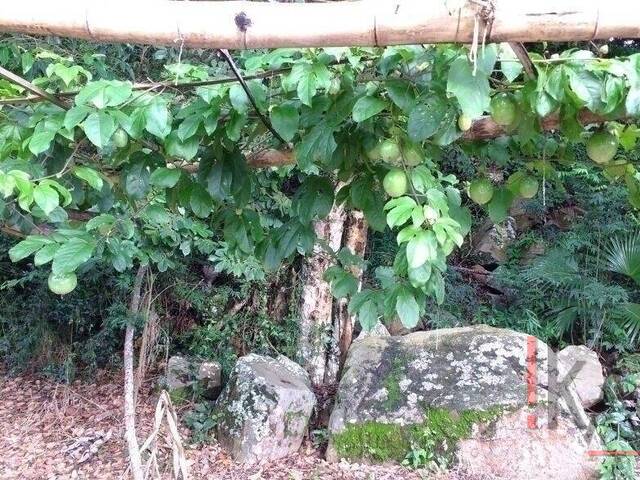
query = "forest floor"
{"x": 50, "y": 431}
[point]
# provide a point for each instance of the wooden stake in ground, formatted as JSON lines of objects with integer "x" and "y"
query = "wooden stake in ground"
{"x": 241, "y": 24}
{"x": 129, "y": 381}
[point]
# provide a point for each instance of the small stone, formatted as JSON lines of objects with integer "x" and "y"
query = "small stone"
{"x": 586, "y": 371}
{"x": 264, "y": 409}
{"x": 185, "y": 374}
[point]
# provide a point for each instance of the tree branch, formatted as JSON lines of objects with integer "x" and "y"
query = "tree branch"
{"x": 245, "y": 87}
{"x": 27, "y": 85}
{"x": 525, "y": 60}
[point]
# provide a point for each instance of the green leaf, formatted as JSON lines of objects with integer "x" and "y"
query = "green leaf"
{"x": 238, "y": 98}
{"x": 401, "y": 92}
{"x": 41, "y": 141}
{"x": 421, "y": 248}
{"x": 313, "y": 199}
{"x": 365, "y": 306}
{"x": 75, "y": 116}
{"x": 471, "y": 91}
{"x": 400, "y": 210}
{"x": 45, "y": 254}
{"x": 587, "y": 87}
{"x": 165, "y": 177}
{"x": 186, "y": 150}
{"x": 104, "y": 93}
{"x": 71, "y": 255}
{"x": 189, "y": 127}
{"x": 285, "y": 120}
{"x": 307, "y": 86}
{"x": 367, "y": 107}
{"x": 499, "y": 205}
{"x": 425, "y": 119}
{"x": 158, "y": 120}
{"x": 407, "y": 309}
{"x": 90, "y": 176}
{"x": 200, "y": 202}
{"x": 26, "y": 247}
{"x": 317, "y": 146}
{"x": 46, "y": 198}
{"x": 510, "y": 66}
{"x": 99, "y": 127}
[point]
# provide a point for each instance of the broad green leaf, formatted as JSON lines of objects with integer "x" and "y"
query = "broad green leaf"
{"x": 90, "y": 176}
{"x": 189, "y": 127}
{"x": 75, "y": 116}
{"x": 400, "y": 210}
{"x": 401, "y": 92}
{"x": 46, "y": 198}
{"x": 407, "y": 309}
{"x": 186, "y": 150}
{"x": 285, "y": 120}
{"x": 367, "y": 107}
{"x": 425, "y": 119}
{"x": 316, "y": 146}
{"x": 471, "y": 90}
{"x": 41, "y": 141}
{"x": 104, "y": 93}
{"x": 99, "y": 127}
{"x": 200, "y": 202}
{"x": 71, "y": 255}
{"x": 158, "y": 119}
{"x": 499, "y": 205}
{"x": 421, "y": 248}
{"x": 238, "y": 98}
{"x": 45, "y": 254}
{"x": 165, "y": 177}
{"x": 510, "y": 66}
{"x": 26, "y": 247}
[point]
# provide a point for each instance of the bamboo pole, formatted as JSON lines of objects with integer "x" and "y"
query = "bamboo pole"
{"x": 242, "y": 24}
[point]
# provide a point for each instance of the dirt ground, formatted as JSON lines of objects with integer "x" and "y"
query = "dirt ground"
{"x": 54, "y": 431}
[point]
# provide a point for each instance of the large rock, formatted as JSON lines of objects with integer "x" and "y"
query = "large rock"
{"x": 264, "y": 409}
{"x": 186, "y": 375}
{"x": 585, "y": 370}
{"x": 461, "y": 395}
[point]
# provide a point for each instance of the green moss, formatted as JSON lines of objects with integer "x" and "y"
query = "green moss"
{"x": 392, "y": 382}
{"x": 436, "y": 436}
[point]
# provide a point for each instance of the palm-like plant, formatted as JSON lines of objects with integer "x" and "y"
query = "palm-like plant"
{"x": 623, "y": 257}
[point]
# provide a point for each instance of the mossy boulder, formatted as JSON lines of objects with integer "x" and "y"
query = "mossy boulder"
{"x": 264, "y": 409}
{"x": 452, "y": 394}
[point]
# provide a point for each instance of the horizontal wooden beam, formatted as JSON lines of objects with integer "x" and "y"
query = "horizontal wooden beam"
{"x": 243, "y": 24}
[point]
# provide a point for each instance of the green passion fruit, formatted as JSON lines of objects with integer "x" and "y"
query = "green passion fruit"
{"x": 120, "y": 138}
{"x": 62, "y": 283}
{"x": 481, "y": 191}
{"x": 395, "y": 183}
{"x": 504, "y": 109}
{"x": 464, "y": 122}
{"x": 602, "y": 147}
{"x": 390, "y": 152}
{"x": 528, "y": 187}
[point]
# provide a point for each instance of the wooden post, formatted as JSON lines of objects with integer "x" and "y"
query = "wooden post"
{"x": 243, "y": 24}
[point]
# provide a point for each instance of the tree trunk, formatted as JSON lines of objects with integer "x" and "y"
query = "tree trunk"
{"x": 355, "y": 239}
{"x": 241, "y": 25}
{"x": 129, "y": 381}
{"x": 316, "y": 302}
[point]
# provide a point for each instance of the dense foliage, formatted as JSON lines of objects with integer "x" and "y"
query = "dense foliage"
{"x": 132, "y": 173}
